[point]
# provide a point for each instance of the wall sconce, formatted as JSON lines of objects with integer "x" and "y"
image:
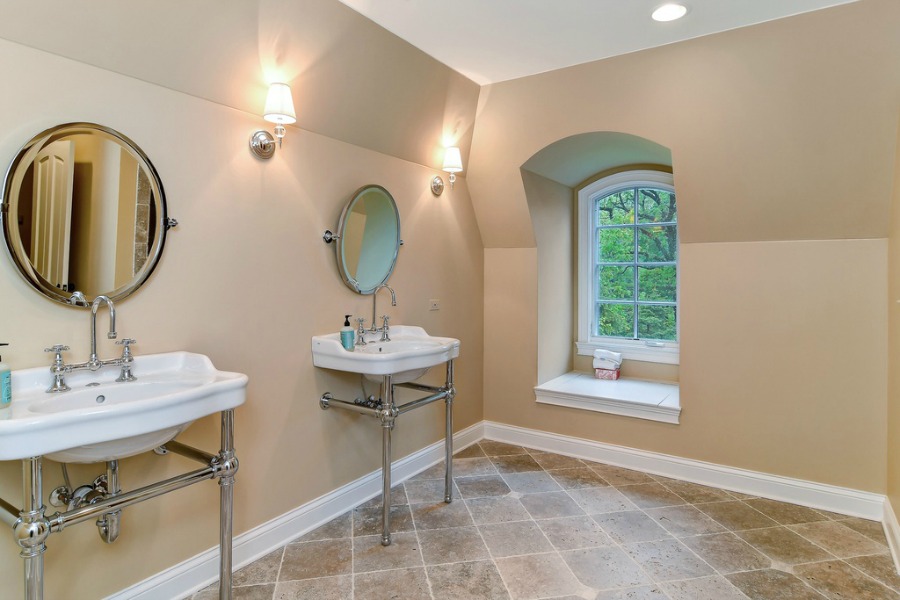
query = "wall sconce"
{"x": 279, "y": 110}
{"x": 452, "y": 165}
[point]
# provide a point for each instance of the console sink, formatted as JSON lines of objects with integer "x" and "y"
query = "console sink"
{"x": 100, "y": 419}
{"x": 408, "y": 356}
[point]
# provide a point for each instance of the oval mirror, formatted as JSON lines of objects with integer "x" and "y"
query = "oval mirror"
{"x": 368, "y": 239}
{"x": 83, "y": 210}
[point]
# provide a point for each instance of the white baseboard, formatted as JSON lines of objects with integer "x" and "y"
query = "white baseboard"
{"x": 199, "y": 571}
{"x": 892, "y": 532}
{"x": 797, "y": 491}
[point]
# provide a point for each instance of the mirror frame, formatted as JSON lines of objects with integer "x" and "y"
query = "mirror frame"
{"x": 339, "y": 247}
{"x": 9, "y": 210}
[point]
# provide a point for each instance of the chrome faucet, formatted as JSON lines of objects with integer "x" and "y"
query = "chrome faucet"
{"x": 94, "y": 362}
{"x": 372, "y": 328}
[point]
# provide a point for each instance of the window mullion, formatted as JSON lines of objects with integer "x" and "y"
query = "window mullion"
{"x": 636, "y": 258}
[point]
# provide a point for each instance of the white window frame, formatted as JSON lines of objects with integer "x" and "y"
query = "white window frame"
{"x": 648, "y": 351}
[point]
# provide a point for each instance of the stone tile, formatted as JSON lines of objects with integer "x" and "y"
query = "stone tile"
{"x": 514, "y": 539}
{"x": 492, "y": 448}
{"x": 770, "y": 584}
{"x": 581, "y": 477}
{"x": 784, "y": 546}
{"x": 367, "y": 521}
{"x": 601, "y": 500}
{"x": 784, "y": 513}
{"x": 339, "y": 527}
{"x": 455, "y": 544}
{"x": 880, "y": 567}
{"x": 501, "y": 509}
{"x": 839, "y": 539}
{"x": 631, "y": 526}
{"x": 432, "y": 472}
{"x": 473, "y": 451}
{"x": 837, "y": 580}
{"x": 644, "y": 592}
{"x": 440, "y": 515}
{"x": 263, "y": 570}
{"x": 398, "y": 498}
{"x": 550, "y": 461}
{"x": 370, "y": 555}
{"x": 308, "y": 560}
{"x": 713, "y": 588}
{"x": 515, "y": 464}
{"x": 482, "y": 486}
{"x": 326, "y": 588}
{"x": 873, "y": 530}
{"x": 571, "y": 533}
{"x": 604, "y": 568}
{"x": 617, "y": 476}
{"x": 551, "y": 505}
{"x": 250, "y": 592}
{"x": 401, "y": 584}
{"x": 667, "y": 560}
{"x": 467, "y": 581}
{"x": 741, "y": 495}
{"x": 727, "y": 553}
{"x": 650, "y": 495}
{"x": 537, "y": 576}
{"x": 426, "y": 490}
{"x": 471, "y": 467}
{"x": 531, "y": 483}
{"x": 694, "y": 493}
{"x": 736, "y": 515}
{"x": 682, "y": 521}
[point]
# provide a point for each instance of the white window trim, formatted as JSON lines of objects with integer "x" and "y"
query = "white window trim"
{"x": 658, "y": 352}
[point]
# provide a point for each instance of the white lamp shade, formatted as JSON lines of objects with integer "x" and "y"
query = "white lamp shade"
{"x": 452, "y": 160}
{"x": 280, "y": 105}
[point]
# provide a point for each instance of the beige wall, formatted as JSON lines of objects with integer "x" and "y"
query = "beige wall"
{"x": 893, "y": 302}
{"x": 782, "y": 131}
{"x": 246, "y": 279}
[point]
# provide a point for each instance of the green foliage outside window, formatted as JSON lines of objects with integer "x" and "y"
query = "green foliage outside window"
{"x": 636, "y": 264}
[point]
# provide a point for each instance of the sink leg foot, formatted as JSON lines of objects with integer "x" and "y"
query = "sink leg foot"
{"x": 226, "y": 500}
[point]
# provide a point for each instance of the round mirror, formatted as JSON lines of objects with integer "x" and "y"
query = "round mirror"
{"x": 368, "y": 239}
{"x": 83, "y": 210}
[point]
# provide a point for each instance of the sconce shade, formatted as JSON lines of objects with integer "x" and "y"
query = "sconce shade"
{"x": 452, "y": 160}
{"x": 280, "y": 105}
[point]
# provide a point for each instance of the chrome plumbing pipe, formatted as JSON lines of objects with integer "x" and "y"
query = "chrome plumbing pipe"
{"x": 108, "y": 523}
{"x": 420, "y": 387}
{"x": 9, "y": 514}
{"x": 404, "y": 408}
{"x": 327, "y": 400}
{"x": 189, "y": 452}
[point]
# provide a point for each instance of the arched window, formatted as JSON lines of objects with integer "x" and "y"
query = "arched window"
{"x": 628, "y": 266}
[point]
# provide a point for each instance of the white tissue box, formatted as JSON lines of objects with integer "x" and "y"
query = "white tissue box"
{"x": 606, "y": 373}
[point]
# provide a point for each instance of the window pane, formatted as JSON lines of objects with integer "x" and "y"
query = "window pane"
{"x": 615, "y": 320}
{"x": 656, "y": 323}
{"x": 657, "y": 244}
{"x": 656, "y": 284}
{"x": 615, "y": 245}
{"x": 615, "y": 209}
{"x": 615, "y": 283}
{"x": 656, "y": 206}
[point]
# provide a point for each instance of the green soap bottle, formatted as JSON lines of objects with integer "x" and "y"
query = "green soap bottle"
{"x": 5, "y": 383}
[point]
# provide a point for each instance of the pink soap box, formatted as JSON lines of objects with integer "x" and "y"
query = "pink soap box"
{"x": 606, "y": 373}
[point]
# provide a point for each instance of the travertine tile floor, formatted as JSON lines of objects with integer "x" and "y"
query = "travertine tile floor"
{"x": 532, "y": 525}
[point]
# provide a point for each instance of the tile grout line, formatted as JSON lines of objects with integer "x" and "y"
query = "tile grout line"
{"x": 412, "y": 518}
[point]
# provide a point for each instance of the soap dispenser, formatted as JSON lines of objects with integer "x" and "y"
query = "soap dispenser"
{"x": 5, "y": 383}
{"x": 347, "y": 334}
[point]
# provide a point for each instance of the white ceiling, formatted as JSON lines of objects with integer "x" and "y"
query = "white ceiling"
{"x": 495, "y": 40}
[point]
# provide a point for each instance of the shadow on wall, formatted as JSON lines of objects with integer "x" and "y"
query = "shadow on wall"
{"x": 551, "y": 178}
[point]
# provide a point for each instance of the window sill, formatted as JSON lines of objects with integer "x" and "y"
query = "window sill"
{"x": 651, "y": 400}
{"x": 632, "y": 351}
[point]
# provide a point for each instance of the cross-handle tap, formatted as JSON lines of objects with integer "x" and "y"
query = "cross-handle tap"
{"x": 127, "y": 360}
{"x": 385, "y": 328}
{"x": 360, "y": 332}
{"x": 58, "y": 369}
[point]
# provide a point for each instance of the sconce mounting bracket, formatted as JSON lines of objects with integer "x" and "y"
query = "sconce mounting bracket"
{"x": 437, "y": 185}
{"x": 262, "y": 144}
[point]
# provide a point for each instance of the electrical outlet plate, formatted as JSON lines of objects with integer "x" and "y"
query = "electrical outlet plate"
{"x": 434, "y": 304}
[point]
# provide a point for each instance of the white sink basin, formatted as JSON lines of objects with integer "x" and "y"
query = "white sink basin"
{"x": 95, "y": 423}
{"x": 409, "y": 354}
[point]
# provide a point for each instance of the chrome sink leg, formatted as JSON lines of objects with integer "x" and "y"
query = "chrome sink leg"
{"x": 388, "y": 414}
{"x": 228, "y": 463}
{"x": 448, "y": 436}
{"x": 32, "y": 529}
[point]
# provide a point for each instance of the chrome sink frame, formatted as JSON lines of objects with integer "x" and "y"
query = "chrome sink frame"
{"x": 31, "y": 527}
{"x": 387, "y": 411}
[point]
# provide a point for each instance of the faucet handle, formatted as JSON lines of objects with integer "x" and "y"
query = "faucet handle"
{"x": 57, "y": 349}
{"x": 126, "y": 342}
{"x": 360, "y": 332}
{"x": 385, "y": 328}
{"x": 384, "y": 320}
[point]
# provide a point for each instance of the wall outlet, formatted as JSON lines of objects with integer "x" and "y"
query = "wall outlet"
{"x": 434, "y": 304}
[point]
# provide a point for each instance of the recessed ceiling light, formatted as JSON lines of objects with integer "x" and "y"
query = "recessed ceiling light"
{"x": 669, "y": 12}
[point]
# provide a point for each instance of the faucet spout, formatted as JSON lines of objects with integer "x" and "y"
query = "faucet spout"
{"x": 94, "y": 361}
{"x": 374, "y": 302}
